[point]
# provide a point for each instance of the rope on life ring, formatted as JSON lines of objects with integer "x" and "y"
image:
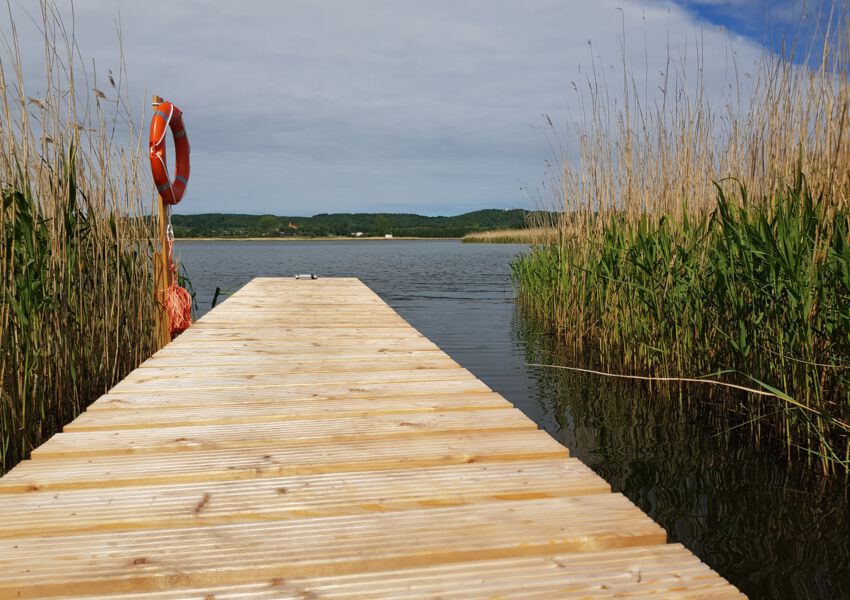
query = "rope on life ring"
{"x": 177, "y": 302}
{"x": 167, "y": 116}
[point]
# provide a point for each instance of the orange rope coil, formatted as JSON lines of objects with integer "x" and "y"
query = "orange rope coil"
{"x": 178, "y": 301}
{"x": 179, "y": 308}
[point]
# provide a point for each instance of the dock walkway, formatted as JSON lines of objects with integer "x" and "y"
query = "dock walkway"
{"x": 302, "y": 441}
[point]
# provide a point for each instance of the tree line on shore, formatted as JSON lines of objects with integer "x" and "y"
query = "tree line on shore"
{"x": 350, "y": 224}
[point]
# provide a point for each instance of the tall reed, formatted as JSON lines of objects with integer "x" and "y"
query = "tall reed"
{"x": 691, "y": 243}
{"x": 77, "y": 307}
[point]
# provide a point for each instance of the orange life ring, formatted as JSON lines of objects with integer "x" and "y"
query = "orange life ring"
{"x": 167, "y": 115}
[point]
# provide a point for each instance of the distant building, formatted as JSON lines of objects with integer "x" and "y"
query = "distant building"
{"x": 357, "y": 234}
{"x": 388, "y": 236}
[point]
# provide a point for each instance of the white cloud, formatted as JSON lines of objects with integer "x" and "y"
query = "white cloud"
{"x": 307, "y": 106}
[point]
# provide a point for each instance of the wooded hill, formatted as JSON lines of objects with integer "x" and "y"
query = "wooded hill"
{"x": 349, "y": 224}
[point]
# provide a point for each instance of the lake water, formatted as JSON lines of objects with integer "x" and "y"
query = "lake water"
{"x": 774, "y": 531}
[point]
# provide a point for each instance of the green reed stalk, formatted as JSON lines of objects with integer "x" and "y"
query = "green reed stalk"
{"x": 757, "y": 291}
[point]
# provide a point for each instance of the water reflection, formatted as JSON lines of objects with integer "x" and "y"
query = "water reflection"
{"x": 743, "y": 510}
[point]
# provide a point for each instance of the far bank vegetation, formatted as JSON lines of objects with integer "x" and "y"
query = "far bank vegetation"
{"x": 528, "y": 235}
{"x": 217, "y": 225}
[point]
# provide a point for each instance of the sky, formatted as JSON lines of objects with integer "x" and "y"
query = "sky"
{"x": 299, "y": 107}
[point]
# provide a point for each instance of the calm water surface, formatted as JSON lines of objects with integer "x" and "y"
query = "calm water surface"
{"x": 774, "y": 531}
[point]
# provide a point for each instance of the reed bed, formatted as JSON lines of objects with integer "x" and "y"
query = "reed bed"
{"x": 531, "y": 235}
{"x": 77, "y": 310}
{"x": 702, "y": 240}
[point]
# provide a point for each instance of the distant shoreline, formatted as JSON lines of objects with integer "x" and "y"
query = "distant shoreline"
{"x": 312, "y": 239}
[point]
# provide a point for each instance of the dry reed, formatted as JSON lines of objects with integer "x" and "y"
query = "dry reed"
{"x": 77, "y": 307}
{"x": 531, "y": 235}
{"x": 665, "y": 266}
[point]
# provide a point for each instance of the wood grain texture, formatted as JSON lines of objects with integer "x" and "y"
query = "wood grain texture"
{"x": 667, "y": 571}
{"x": 279, "y": 434}
{"x": 222, "y": 412}
{"x": 303, "y": 441}
{"x": 278, "y": 498}
{"x": 312, "y": 546}
{"x": 275, "y": 460}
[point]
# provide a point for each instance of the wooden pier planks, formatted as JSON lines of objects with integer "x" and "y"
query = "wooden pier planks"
{"x": 302, "y": 441}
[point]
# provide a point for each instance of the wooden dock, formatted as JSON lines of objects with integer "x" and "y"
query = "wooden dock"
{"x": 302, "y": 441}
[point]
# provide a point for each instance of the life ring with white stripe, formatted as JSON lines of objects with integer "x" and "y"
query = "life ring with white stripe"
{"x": 167, "y": 116}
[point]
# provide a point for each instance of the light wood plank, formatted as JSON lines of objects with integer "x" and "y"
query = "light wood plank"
{"x": 142, "y": 383}
{"x": 260, "y": 361}
{"x": 223, "y": 413}
{"x": 667, "y": 571}
{"x": 289, "y": 346}
{"x": 280, "y": 394}
{"x": 250, "y": 463}
{"x": 321, "y": 355}
{"x": 238, "y": 553}
{"x": 278, "y": 498}
{"x": 279, "y": 434}
{"x": 316, "y": 365}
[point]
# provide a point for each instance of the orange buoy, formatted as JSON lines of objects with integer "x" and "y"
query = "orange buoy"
{"x": 166, "y": 116}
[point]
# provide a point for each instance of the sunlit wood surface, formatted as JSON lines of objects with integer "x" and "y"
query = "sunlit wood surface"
{"x": 303, "y": 441}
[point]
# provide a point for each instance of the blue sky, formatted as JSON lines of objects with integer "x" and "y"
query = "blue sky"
{"x": 754, "y": 18}
{"x": 297, "y": 107}
{"x": 776, "y": 24}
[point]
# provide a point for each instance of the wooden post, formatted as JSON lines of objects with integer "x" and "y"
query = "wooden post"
{"x": 161, "y": 270}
